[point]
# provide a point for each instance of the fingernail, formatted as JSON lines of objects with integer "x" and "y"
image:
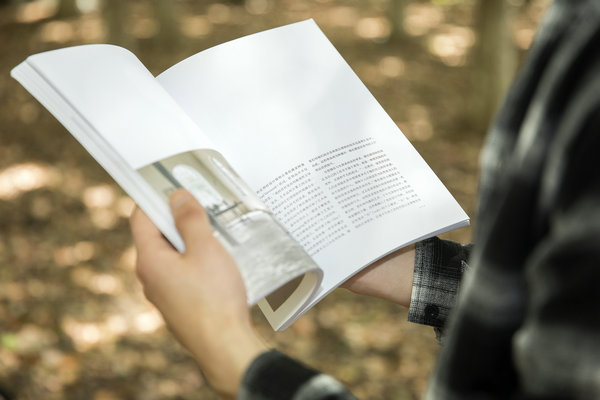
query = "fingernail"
{"x": 179, "y": 197}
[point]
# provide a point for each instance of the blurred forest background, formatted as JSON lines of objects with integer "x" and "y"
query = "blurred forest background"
{"x": 73, "y": 320}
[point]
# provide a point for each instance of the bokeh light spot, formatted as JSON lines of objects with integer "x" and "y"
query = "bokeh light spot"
{"x": 421, "y": 18}
{"x": 343, "y": 16}
{"x": 57, "y": 32}
{"x": 29, "y": 113}
{"x": 144, "y": 28}
{"x": 25, "y": 177}
{"x": 257, "y": 7}
{"x": 36, "y": 10}
{"x": 524, "y": 37}
{"x": 148, "y": 321}
{"x": 101, "y": 196}
{"x": 86, "y": 6}
{"x": 92, "y": 29}
{"x": 452, "y": 45}
{"x": 104, "y": 218}
{"x": 196, "y": 26}
{"x": 374, "y": 28}
{"x": 125, "y": 206}
{"x": 127, "y": 259}
{"x": 85, "y": 335}
{"x": 391, "y": 66}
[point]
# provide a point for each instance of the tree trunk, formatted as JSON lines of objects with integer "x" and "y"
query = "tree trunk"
{"x": 115, "y": 15}
{"x": 67, "y": 9}
{"x": 495, "y": 60}
{"x": 169, "y": 29}
{"x": 397, "y": 18}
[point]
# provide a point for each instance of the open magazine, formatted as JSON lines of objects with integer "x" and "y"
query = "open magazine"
{"x": 304, "y": 176}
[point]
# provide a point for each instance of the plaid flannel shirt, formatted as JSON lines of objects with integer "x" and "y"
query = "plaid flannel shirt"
{"x": 526, "y": 323}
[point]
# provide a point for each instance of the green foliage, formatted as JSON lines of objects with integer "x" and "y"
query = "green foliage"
{"x": 9, "y": 341}
{"x": 454, "y": 2}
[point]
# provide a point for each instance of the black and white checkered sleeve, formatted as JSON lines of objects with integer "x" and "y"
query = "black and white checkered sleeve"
{"x": 439, "y": 266}
{"x": 273, "y": 376}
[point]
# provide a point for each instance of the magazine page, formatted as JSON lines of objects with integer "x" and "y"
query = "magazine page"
{"x": 301, "y": 128}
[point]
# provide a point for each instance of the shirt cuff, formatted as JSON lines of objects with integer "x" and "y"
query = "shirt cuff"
{"x": 439, "y": 266}
{"x": 273, "y": 375}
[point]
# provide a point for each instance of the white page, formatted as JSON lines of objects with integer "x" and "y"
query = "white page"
{"x": 147, "y": 126}
{"x": 272, "y": 102}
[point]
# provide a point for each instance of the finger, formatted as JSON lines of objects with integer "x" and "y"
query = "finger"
{"x": 190, "y": 219}
{"x": 145, "y": 234}
{"x": 153, "y": 251}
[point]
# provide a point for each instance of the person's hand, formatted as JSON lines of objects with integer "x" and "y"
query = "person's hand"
{"x": 200, "y": 293}
{"x": 389, "y": 278}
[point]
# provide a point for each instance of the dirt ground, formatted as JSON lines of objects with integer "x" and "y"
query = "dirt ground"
{"x": 73, "y": 321}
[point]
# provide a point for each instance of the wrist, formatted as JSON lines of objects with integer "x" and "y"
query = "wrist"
{"x": 226, "y": 360}
{"x": 389, "y": 278}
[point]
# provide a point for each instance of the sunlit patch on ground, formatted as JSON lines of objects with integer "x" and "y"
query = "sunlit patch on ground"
{"x": 18, "y": 179}
{"x": 374, "y": 28}
{"x": 452, "y": 45}
{"x": 421, "y": 18}
{"x": 258, "y": 7}
{"x": 391, "y": 66}
{"x": 36, "y": 10}
{"x": 196, "y": 26}
{"x": 342, "y": 16}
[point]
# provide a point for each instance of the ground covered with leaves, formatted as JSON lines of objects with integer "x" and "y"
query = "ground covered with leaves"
{"x": 73, "y": 320}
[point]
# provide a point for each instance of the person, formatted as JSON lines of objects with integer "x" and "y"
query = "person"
{"x": 525, "y": 324}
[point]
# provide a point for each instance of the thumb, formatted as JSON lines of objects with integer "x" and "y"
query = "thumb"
{"x": 190, "y": 218}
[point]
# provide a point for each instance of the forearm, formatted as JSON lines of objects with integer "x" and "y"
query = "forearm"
{"x": 424, "y": 277}
{"x": 390, "y": 278}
